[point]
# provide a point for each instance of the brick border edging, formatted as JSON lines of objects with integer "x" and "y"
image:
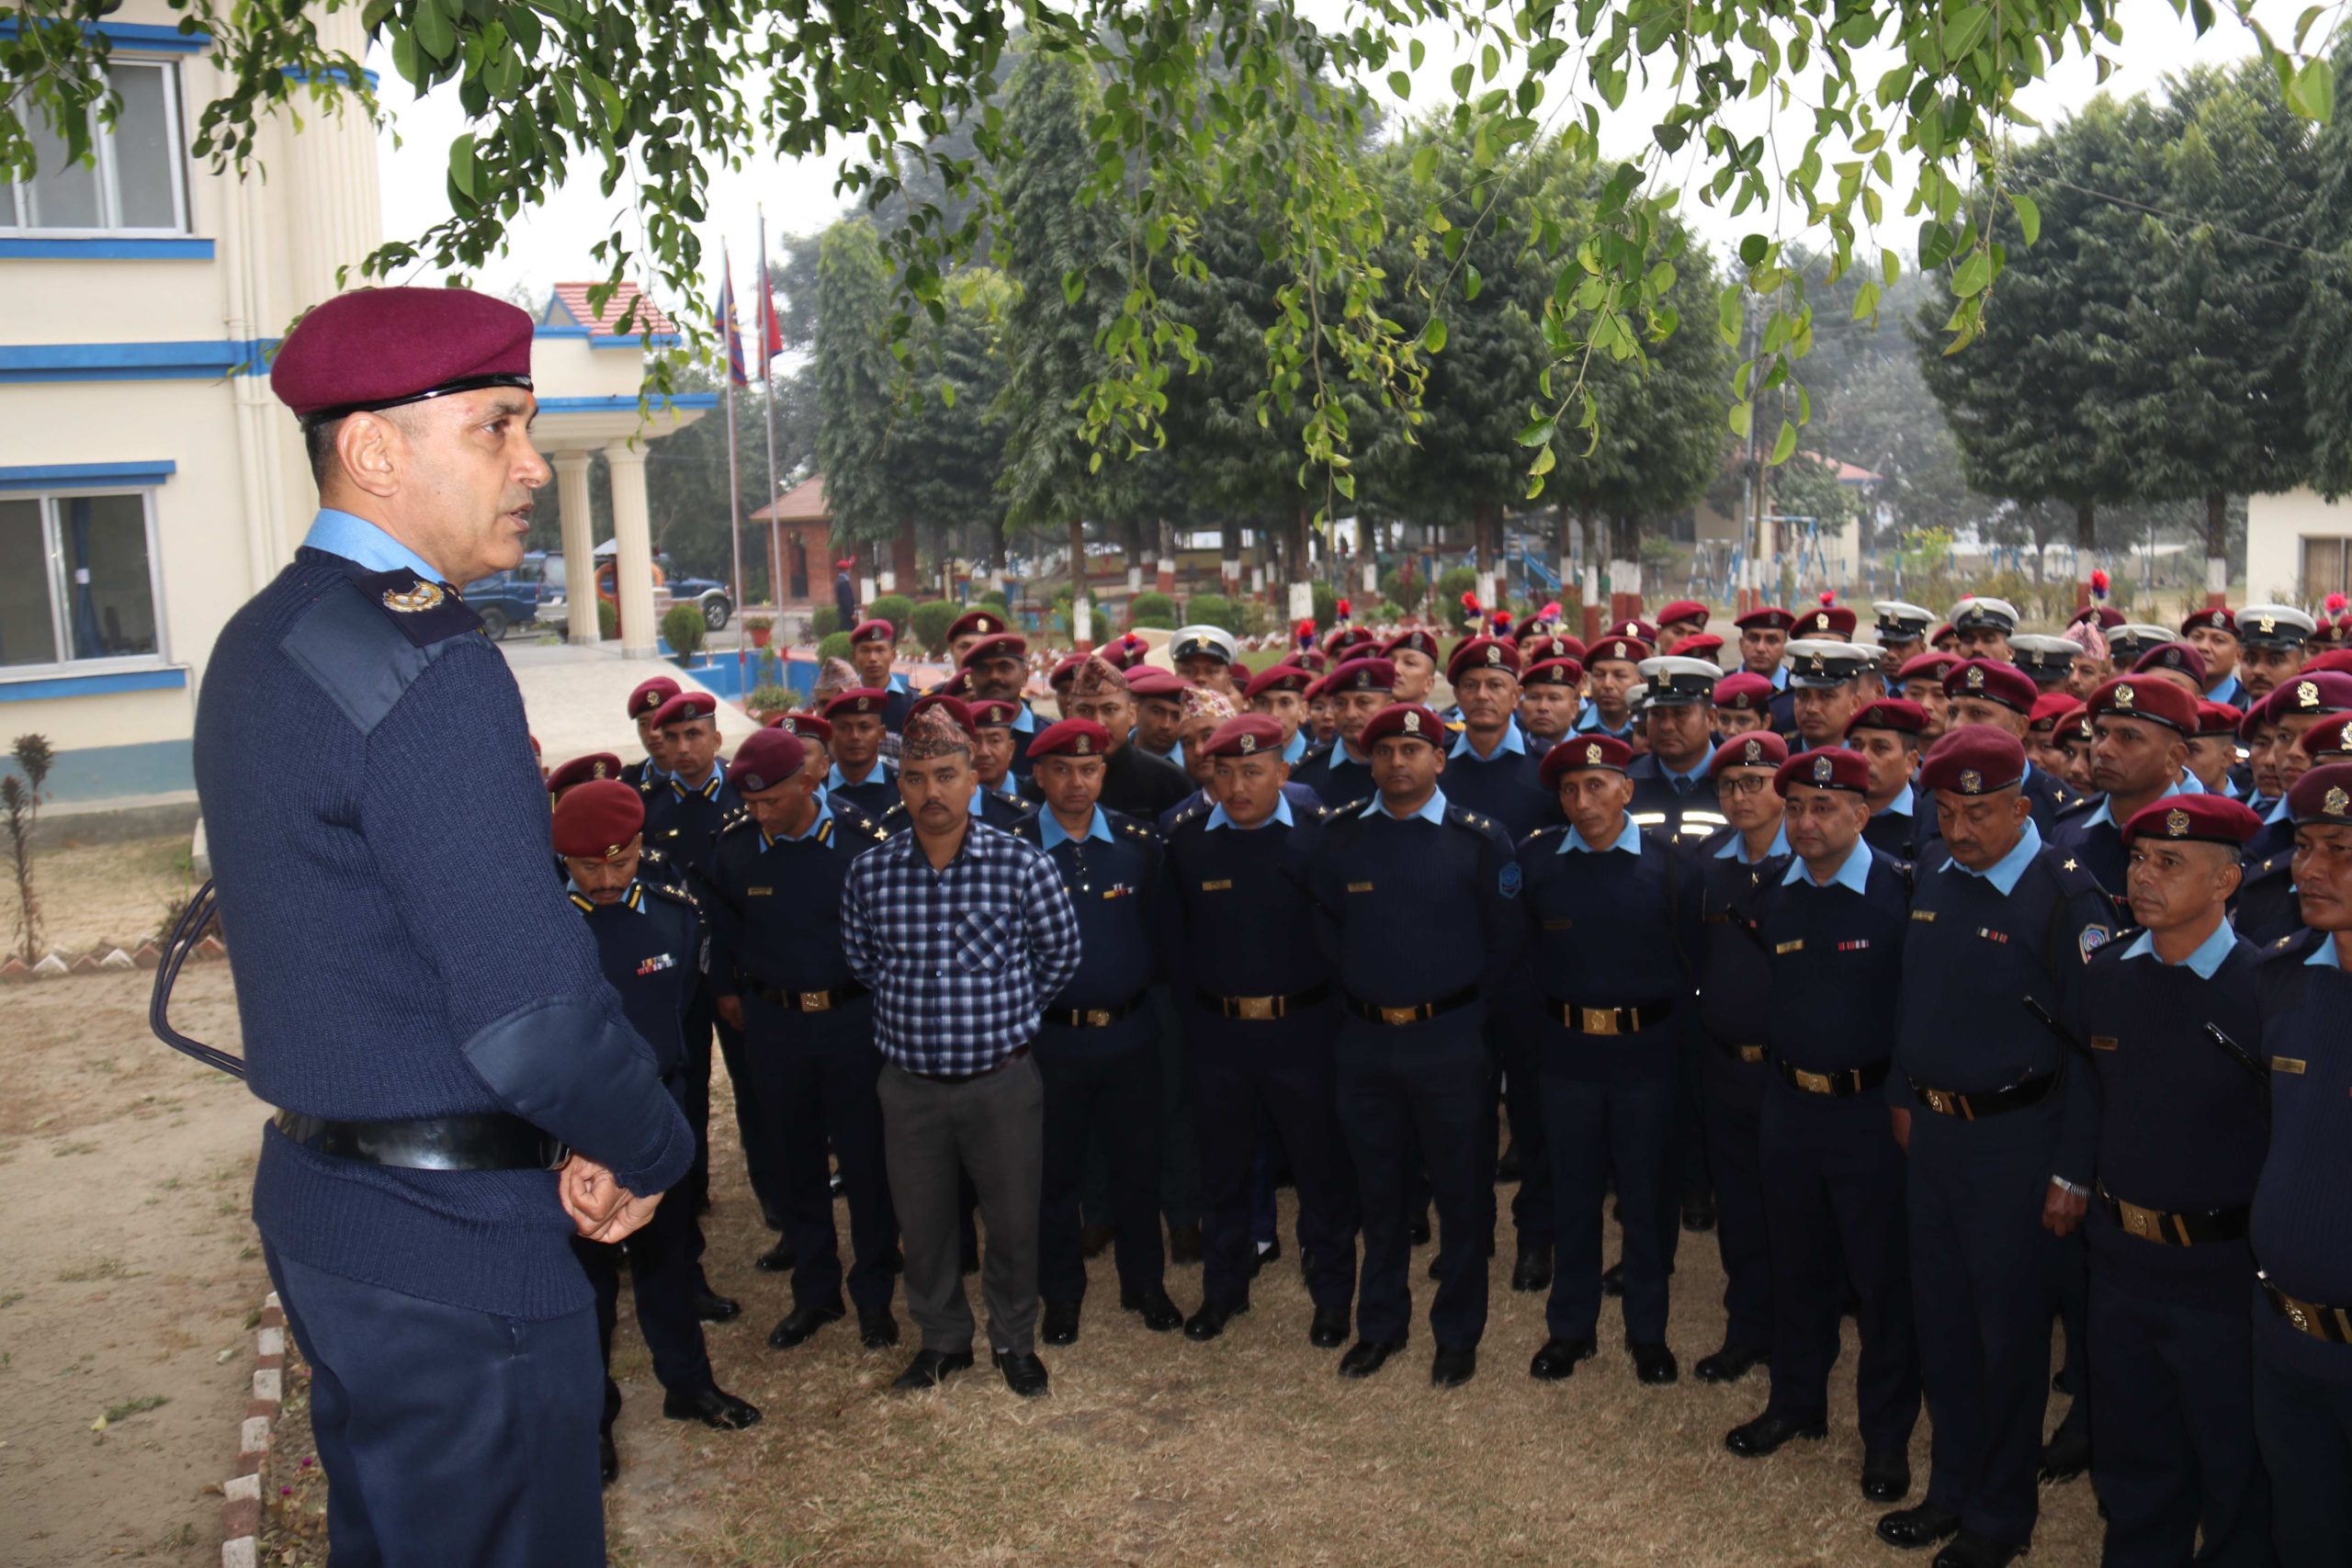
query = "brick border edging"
{"x": 241, "y": 1511}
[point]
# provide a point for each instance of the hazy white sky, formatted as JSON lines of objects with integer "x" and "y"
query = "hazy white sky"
{"x": 552, "y": 243}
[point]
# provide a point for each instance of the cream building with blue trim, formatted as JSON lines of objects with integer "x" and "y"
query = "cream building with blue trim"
{"x": 149, "y": 482}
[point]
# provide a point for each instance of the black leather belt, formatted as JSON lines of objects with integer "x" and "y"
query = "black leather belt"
{"x": 2191, "y": 1227}
{"x": 1843, "y": 1084}
{"x": 1992, "y": 1103}
{"x": 1262, "y": 1007}
{"x": 807, "y": 1001}
{"x": 1412, "y": 1012}
{"x": 1007, "y": 1060}
{"x": 1609, "y": 1021}
{"x": 2333, "y": 1324}
{"x": 1092, "y": 1018}
{"x": 1738, "y": 1053}
{"x": 491, "y": 1140}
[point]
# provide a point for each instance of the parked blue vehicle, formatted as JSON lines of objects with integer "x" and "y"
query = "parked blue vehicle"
{"x": 508, "y": 599}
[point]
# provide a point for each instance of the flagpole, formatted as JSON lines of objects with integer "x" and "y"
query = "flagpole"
{"x": 732, "y": 345}
{"x": 767, "y": 379}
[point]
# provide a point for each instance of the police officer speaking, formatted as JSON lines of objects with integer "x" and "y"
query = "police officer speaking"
{"x": 459, "y": 1090}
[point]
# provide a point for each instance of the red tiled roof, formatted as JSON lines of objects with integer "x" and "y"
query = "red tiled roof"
{"x": 571, "y": 300}
{"x": 804, "y": 503}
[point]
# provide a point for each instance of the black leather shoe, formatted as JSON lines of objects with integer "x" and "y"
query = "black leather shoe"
{"x": 1094, "y": 1240}
{"x": 1366, "y": 1357}
{"x": 1159, "y": 1314}
{"x": 1453, "y": 1365}
{"x": 1023, "y": 1374}
{"x": 2066, "y": 1456}
{"x": 712, "y": 1407}
{"x": 1330, "y": 1329}
{"x": 712, "y": 1307}
{"x": 1731, "y": 1363}
{"x": 1769, "y": 1433}
{"x": 1183, "y": 1243}
{"x": 799, "y": 1323}
{"x": 1558, "y": 1359}
{"x": 931, "y": 1368}
{"x": 1059, "y": 1324}
{"x": 1654, "y": 1363}
{"x": 1507, "y": 1170}
{"x": 1916, "y": 1528}
{"x": 608, "y": 1458}
{"x": 1263, "y": 1253}
{"x": 877, "y": 1331}
{"x": 1887, "y": 1475}
{"x": 1699, "y": 1213}
{"x": 1533, "y": 1271}
{"x": 1210, "y": 1321}
{"x": 1973, "y": 1550}
{"x": 1417, "y": 1230}
{"x": 1613, "y": 1280}
{"x": 777, "y": 1259}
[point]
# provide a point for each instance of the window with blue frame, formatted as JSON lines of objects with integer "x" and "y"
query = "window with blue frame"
{"x": 138, "y": 182}
{"x": 77, "y": 579}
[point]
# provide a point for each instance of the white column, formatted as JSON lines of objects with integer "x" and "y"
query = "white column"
{"x": 633, "y": 535}
{"x": 579, "y": 546}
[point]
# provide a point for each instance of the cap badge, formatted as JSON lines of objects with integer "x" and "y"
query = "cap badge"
{"x": 2307, "y": 694}
{"x": 595, "y": 769}
{"x": 1592, "y": 752}
{"x": 1822, "y": 769}
{"x": 754, "y": 782}
{"x": 1755, "y": 752}
{"x": 1977, "y": 679}
{"x": 1620, "y": 651}
{"x": 613, "y": 851}
{"x": 983, "y": 626}
{"x": 1085, "y": 747}
{"x": 2337, "y": 803}
{"x": 1493, "y": 653}
{"x": 1816, "y": 664}
{"x": 1249, "y": 744}
{"x": 411, "y": 601}
{"x": 2176, "y": 823}
{"x": 2265, "y": 623}
{"x": 1412, "y": 724}
{"x": 2123, "y": 698}
{"x": 1970, "y": 781}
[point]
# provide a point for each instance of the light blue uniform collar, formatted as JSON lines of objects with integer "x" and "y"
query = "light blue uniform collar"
{"x": 875, "y": 775}
{"x": 1780, "y": 678}
{"x": 1691, "y": 778}
{"x": 1050, "y": 833}
{"x": 1629, "y": 839}
{"x": 1588, "y": 723}
{"x": 2279, "y": 812}
{"x": 1509, "y": 742}
{"x": 2229, "y": 691}
{"x": 2105, "y": 812}
{"x": 1296, "y": 748}
{"x": 1903, "y": 805}
{"x": 816, "y": 826}
{"x": 2205, "y": 960}
{"x": 632, "y": 896}
{"x": 898, "y": 683}
{"x": 1217, "y": 818}
{"x": 1737, "y": 849}
{"x": 2323, "y": 956}
{"x": 2005, "y": 872}
{"x": 354, "y": 539}
{"x": 1024, "y": 722}
{"x": 1854, "y": 872}
{"x": 1432, "y": 809}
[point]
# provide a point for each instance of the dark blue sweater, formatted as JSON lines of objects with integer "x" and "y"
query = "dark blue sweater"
{"x": 1608, "y": 928}
{"x": 1242, "y": 927}
{"x": 1735, "y": 981}
{"x": 1837, "y": 959}
{"x": 1116, "y": 887}
{"x": 380, "y": 839}
{"x": 2303, "y": 1206}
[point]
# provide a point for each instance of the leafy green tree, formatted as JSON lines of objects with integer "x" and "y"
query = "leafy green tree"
{"x": 2325, "y": 328}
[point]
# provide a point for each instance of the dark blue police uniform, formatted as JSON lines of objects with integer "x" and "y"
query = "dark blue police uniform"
{"x": 1334, "y": 773}
{"x": 1903, "y": 827}
{"x": 871, "y": 796}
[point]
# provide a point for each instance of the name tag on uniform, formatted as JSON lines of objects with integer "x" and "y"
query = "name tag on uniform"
{"x": 655, "y": 964}
{"x": 2103, "y": 1043}
{"x": 1559, "y": 925}
{"x": 2287, "y": 1065}
{"x": 758, "y": 892}
{"x": 1223, "y": 885}
{"x": 1923, "y": 915}
{"x": 1359, "y": 887}
{"x": 1796, "y": 947}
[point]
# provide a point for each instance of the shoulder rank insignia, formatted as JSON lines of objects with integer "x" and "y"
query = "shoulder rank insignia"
{"x": 425, "y": 612}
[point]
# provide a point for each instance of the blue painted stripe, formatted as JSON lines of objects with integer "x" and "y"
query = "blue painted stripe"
{"x": 623, "y": 404}
{"x": 135, "y": 361}
{"x": 133, "y": 37}
{"x": 334, "y": 73}
{"x": 91, "y": 775}
{"x": 48, "y": 688}
{"x": 87, "y": 476}
{"x": 107, "y": 247}
{"x": 608, "y": 340}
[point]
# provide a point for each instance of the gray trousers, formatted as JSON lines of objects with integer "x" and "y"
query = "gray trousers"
{"x": 992, "y": 1129}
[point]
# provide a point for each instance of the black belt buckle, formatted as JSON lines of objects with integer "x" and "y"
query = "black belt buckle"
{"x": 489, "y": 1141}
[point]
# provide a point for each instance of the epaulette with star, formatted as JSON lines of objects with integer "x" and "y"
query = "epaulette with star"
{"x": 647, "y": 783}
{"x": 2081, "y": 803}
{"x": 1135, "y": 829}
{"x": 2292, "y": 948}
{"x": 736, "y": 821}
{"x": 1463, "y": 816}
{"x": 1197, "y": 811}
{"x": 675, "y": 894}
{"x": 1004, "y": 796}
{"x": 855, "y": 824}
{"x": 1352, "y": 808}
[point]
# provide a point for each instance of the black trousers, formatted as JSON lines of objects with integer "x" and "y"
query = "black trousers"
{"x": 1531, "y": 1206}
{"x": 816, "y": 1075}
{"x": 2302, "y": 1416}
{"x": 1114, "y": 1096}
{"x": 1289, "y": 1086}
{"x": 1834, "y": 1198}
{"x": 750, "y": 1124}
{"x": 1594, "y": 1128}
{"x": 1732, "y": 1127}
{"x": 663, "y": 1282}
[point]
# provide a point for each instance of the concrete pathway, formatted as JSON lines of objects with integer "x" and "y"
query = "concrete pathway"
{"x": 577, "y": 699}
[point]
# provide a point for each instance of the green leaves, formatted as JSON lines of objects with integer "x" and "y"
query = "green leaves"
{"x": 2029, "y": 216}
{"x": 2312, "y": 92}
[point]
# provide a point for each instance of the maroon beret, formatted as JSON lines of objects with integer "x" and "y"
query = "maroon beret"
{"x": 1553, "y": 672}
{"x": 598, "y": 820}
{"x": 2181, "y": 656}
{"x": 2219, "y": 718}
{"x": 1123, "y": 650}
{"x": 2216, "y": 619}
{"x": 1071, "y": 738}
{"x": 995, "y": 712}
{"x": 650, "y": 694}
{"x": 1633, "y": 628}
{"x": 1067, "y": 670}
{"x": 2107, "y": 617}
{"x": 1150, "y": 681}
{"x": 2144, "y": 696}
{"x": 1825, "y": 767}
{"x": 1684, "y": 610}
{"x": 1361, "y": 675}
{"x": 1409, "y": 720}
{"x": 807, "y": 726}
{"x": 1420, "y": 639}
{"x": 1826, "y": 620}
{"x": 2329, "y": 736}
{"x": 1002, "y": 645}
{"x": 1889, "y": 713}
{"x": 953, "y": 707}
{"x": 766, "y": 759}
{"x": 1550, "y": 645}
{"x": 1581, "y": 752}
{"x": 1975, "y": 758}
{"x": 959, "y": 685}
{"x": 582, "y": 769}
{"x": 873, "y": 631}
{"x": 1765, "y": 618}
{"x": 1698, "y": 644}
{"x": 1279, "y": 678}
{"x": 1995, "y": 682}
{"x": 1310, "y": 659}
{"x": 1482, "y": 653}
{"x": 686, "y": 707}
{"x": 856, "y": 700}
{"x": 1246, "y": 736}
{"x": 1926, "y": 667}
{"x": 2329, "y": 691}
{"x": 2049, "y": 708}
{"x": 978, "y": 623}
{"x": 1338, "y": 644}
{"x": 2215, "y": 818}
{"x": 1625, "y": 649}
{"x": 1759, "y": 748}
{"x": 378, "y": 348}
{"x": 2323, "y": 797}
{"x": 2338, "y": 660}
{"x": 1744, "y": 691}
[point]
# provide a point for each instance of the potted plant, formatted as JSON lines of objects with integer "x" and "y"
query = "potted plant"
{"x": 759, "y": 628}
{"x": 766, "y": 701}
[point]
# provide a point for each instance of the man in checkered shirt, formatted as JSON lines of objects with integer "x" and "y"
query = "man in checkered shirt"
{"x": 962, "y": 932}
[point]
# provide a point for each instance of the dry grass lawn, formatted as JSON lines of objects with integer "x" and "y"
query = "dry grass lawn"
{"x": 1248, "y": 1449}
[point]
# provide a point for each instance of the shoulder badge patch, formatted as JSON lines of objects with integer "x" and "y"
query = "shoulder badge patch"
{"x": 2093, "y": 939}
{"x": 1511, "y": 880}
